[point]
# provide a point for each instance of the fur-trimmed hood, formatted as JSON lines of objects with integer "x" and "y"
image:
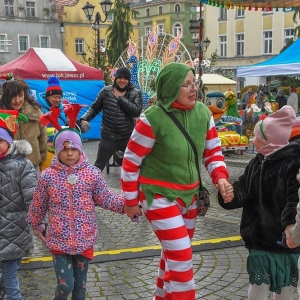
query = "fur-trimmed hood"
{"x": 20, "y": 147}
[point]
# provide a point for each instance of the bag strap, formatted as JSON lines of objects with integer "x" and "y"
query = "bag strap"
{"x": 186, "y": 135}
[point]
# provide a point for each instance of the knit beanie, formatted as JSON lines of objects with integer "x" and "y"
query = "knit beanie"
{"x": 67, "y": 138}
{"x": 293, "y": 90}
{"x": 274, "y": 131}
{"x": 53, "y": 87}
{"x": 8, "y": 124}
{"x": 169, "y": 81}
{"x": 124, "y": 73}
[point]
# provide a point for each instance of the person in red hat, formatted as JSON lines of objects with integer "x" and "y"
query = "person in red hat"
{"x": 18, "y": 180}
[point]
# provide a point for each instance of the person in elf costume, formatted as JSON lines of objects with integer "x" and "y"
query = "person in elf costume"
{"x": 159, "y": 172}
{"x": 68, "y": 191}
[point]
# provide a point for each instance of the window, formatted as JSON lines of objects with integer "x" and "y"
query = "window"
{"x": 79, "y": 46}
{"x": 195, "y": 35}
{"x": 147, "y": 12}
{"x": 160, "y": 29}
{"x": 240, "y": 44}
{"x": 267, "y": 42}
{"x": 222, "y": 13}
{"x": 223, "y": 45}
{"x": 44, "y": 41}
{"x": 3, "y": 39}
{"x": 177, "y": 30}
{"x": 177, "y": 8}
{"x": 110, "y": 17}
{"x": 160, "y": 10}
{"x": 288, "y": 34}
{"x": 240, "y": 13}
{"x": 9, "y": 7}
{"x": 23, "y": 43}
{"x": 147, "y": 29}
{"x": 30, "y": 9}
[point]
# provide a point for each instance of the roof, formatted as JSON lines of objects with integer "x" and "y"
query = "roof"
{"x": 216, "y": 79}
{"x": 40, "y": 63}
{"x": 285, "y": 63}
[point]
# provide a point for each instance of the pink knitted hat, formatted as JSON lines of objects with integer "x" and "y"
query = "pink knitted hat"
{"x": 274, "y": 131}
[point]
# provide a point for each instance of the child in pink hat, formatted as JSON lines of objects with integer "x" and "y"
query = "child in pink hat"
{"x": 268, "y": 194}
{"x": 68, "y": 191}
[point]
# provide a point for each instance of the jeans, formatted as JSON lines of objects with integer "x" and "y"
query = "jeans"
{"x": 107, "y": 148}
{"x": 9, "y": 270}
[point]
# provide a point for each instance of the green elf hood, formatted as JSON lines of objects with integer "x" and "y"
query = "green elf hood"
{"x": 169, "y": 81}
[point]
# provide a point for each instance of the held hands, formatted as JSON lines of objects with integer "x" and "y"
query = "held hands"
{"x": 133, "y": 211}
{"x": 38, "y": 232}
{"x": 226, "y": 189}
{"x": 84, "y": 126}
{"x": 117, "y": 93}
{"x": 289, "y": 241}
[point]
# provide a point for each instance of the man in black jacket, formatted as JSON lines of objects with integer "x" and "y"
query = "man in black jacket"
{"x": 121, "y": 103}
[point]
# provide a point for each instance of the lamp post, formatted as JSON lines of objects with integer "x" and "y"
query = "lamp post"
{"x": 89, "y": 12}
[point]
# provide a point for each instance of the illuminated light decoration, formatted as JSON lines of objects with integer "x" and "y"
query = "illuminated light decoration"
{"x": 256, "y": 8}
{"x": 250, "y": 8}
{"x": 265, "y": 4}
{"x": 262, "y": 9}
{"x": 283, "y": 9}
{"x": 277, "y": 9}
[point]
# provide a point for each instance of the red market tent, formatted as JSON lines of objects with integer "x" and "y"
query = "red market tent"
{"x": 80, "y": 83}
{"x": 40, "y": 63}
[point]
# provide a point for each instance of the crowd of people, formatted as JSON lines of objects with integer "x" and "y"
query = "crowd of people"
{"x": 58, "y": 203}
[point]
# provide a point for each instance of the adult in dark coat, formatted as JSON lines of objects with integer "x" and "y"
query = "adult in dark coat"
{"x": 268, "y": 194}
{"x": 121, "y": 103}
{"x": 280, "y": 99}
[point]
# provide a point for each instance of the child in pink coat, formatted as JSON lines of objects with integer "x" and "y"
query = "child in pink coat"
{"x": 68, "y": 191}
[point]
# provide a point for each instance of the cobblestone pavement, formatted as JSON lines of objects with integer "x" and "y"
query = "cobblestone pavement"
{"x": 127, "y": 253}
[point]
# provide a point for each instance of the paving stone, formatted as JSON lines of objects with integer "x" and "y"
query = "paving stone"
{"x": 220, "y": 274}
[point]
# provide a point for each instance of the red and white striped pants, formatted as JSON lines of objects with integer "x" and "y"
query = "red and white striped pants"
{"x": 174, "y": 226}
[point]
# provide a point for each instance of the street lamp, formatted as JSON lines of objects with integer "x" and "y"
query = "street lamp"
{"x": 89, "y": 12}
{"x": 205, "y": 44}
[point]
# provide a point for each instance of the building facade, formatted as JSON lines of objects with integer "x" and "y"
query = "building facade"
{"x": 80, "y": 36}
{"x": 170, "y": 17}
{"x": 25, "y": 24}
{"x": 245, "y": 37}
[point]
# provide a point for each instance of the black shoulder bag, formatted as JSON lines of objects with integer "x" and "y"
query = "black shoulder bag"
{"x": 203, "y": 201}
